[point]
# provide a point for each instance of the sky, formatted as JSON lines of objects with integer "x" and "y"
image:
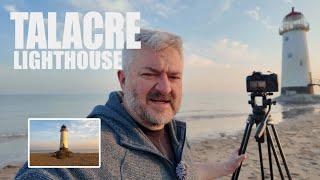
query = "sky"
{"x": 224, "y": 41}
{"x": 82, "y": 134}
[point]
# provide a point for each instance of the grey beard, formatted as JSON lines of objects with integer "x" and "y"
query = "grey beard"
{"x": 131, "y": 98}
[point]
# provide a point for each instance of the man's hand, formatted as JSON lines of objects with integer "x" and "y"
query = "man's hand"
{"x": 233, "y": 161}
{"x": 214, "y": 170}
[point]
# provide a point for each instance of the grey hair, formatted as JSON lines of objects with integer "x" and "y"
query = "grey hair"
{"x": 154, "y": 39}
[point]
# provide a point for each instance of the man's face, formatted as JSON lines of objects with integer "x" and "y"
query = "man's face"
{"x": 153, "y": 86}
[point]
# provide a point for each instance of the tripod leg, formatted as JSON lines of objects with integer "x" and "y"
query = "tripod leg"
{"x": 274, "y": 153}
{"x": 261, "y": 160}
{"x": 244, "y": 144}
{"x": 281, "y": 152}
{"x": 269, "y": 155}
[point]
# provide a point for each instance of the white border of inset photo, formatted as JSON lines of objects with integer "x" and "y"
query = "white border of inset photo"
{"x": 83, "y": 119}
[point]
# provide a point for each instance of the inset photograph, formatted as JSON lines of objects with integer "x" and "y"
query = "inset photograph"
{"x": 64, "y": 142}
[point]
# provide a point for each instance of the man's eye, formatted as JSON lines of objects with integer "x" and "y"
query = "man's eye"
{"x": 174, "y": 77}
{"x": 147, "y": 74}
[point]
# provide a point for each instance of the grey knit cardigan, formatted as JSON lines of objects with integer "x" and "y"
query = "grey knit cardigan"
{"x": 126, "y": 152}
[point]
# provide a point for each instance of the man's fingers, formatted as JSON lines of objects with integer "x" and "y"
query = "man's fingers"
{"x": 241, "y": 158}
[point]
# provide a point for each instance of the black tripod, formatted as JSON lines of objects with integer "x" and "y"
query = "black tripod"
{"x": 263, "y": 122}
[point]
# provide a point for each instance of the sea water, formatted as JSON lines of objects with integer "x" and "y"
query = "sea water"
{"x": 207, "y": 115}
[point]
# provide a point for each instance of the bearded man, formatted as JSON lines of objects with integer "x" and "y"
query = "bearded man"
{"x": 140, "y": 137}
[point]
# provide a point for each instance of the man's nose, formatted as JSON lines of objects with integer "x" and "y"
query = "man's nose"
{"x": 164, "y": 85}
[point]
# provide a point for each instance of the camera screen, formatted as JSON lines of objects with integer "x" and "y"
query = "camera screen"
{"x": 258, "y": 85}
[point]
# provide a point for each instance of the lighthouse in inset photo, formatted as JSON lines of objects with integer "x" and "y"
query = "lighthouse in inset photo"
{"x": 63, "y": 137}
{"x": 296, "y": 72}
{"x": 64, "y": 147}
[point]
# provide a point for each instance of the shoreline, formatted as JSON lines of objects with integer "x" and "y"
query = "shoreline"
{"x": 299, "y": 140}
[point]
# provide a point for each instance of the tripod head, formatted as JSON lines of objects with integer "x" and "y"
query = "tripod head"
{"x": 265, "y": 101}
{"x": 259, "y": 112}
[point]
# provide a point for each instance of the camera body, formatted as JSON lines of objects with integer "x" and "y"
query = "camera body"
{"x": 262, "y": 83}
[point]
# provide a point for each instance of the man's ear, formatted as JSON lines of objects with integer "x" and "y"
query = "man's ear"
{"x": 121, "y": 78}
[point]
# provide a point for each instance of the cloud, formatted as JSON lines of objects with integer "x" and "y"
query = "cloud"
{"x": 232, "y": 51}
{"x": 222, "y": 66}
{"x": 226, "y": 4}
{"x": 259, "y": 17}
{"x": 218, "y": 11}
{"x": 213, "y": 78}
{"x": 255, "y": 13}
{"x": 223, "y": 53}
{"x": 9, "y": 8}
{"x": 106, "y": 5}
{"x": 84, "y": 129}
{"x": 199, "y": 61}
{"x": 117, "y": 6}
{"x": 195, "y": 60}
{"x": 163, "y": 9}
{"x": 288, "y": 1}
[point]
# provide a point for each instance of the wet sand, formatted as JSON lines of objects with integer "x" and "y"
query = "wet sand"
{"x": 9, "y": 171}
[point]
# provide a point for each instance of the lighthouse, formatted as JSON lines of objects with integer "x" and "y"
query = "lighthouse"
{"x": 63, "y": 137}
{"x": 63, "y": 151}
{"x": 296, "y": 73}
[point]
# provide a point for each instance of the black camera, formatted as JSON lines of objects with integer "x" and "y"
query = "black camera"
{"x": 261, "y": 83}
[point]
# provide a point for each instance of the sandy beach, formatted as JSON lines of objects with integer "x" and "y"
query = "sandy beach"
{"x": 298, "y": 136}
{"x": 9, "y": 171}
{"x": 299, "y": 140}
{"x": 76, "y": 159}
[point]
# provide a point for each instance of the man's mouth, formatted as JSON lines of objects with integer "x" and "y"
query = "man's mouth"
{"x": 160, "y": 101}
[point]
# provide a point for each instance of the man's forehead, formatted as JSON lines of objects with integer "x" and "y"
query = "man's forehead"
{"x": 160, "y": 70}
{"x": 161, "y": 64}
{"x": 168, "y": 54}
{"x": 168, "y": 58}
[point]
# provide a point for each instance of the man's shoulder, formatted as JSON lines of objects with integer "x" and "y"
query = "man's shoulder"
{"x": 28, "y": 173}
